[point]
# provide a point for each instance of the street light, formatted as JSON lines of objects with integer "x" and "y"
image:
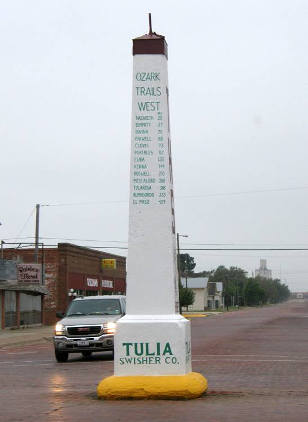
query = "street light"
{"x": 178, "y": 235}
{"x": 72, "y": 293}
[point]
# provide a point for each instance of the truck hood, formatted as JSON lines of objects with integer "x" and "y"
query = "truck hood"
{"x": 89, "y": 320}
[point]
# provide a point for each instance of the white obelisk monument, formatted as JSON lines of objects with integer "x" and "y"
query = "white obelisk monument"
{"x": 152, "y": 341}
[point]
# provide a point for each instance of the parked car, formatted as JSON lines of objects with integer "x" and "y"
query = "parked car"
{"x": 88, "y": 326}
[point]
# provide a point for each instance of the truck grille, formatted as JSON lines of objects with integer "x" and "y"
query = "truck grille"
{"x": 84, "y": 331}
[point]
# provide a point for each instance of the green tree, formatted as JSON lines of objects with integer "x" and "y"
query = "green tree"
{"x": 254, "y": 294}
{"x": 187, "y": 296}
{"x": 233, "y": 280}
{"x": 187, "y": 263}
{"x": 275, "y": 292}
{"x": 240, "y": 290}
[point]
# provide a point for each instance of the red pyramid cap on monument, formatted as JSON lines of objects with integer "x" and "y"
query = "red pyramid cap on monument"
{"x": 150, "y": 43}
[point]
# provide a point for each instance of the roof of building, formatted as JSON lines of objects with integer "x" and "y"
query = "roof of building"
{"x": 194, "y": 282}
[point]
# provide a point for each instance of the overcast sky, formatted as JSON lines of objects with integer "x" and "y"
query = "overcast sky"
{"x": 238, "y": 76}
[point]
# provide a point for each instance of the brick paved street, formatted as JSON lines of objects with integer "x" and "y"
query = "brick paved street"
{"x": 256, "y": 363}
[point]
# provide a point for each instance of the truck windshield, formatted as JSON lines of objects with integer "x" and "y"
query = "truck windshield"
{"x": 94, "y": 307}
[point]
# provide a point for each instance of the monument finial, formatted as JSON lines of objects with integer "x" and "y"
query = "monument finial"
{"x": 150, "y": 24}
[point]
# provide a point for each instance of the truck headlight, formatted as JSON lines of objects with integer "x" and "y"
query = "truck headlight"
{"x": 110, "y": 327}
{"x": 59, "y": 329}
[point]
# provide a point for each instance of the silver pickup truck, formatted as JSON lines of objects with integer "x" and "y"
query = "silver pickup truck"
{"x": 88, "y": 326}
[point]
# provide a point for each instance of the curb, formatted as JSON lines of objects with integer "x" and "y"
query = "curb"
{"x": 25, "y": 342}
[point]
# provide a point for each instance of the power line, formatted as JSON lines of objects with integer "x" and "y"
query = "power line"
{"x": 244, "y": 249}
{"x": 245, "y": 244}
{"x": 23, "y": 227}
{"x": 182, "y": 249}
{"x": 68, "y": 204}
{"x": 185, "y": 243}
{"x": 56, "y": 245}
{"x": 190, "y": 249}
{"x": 67, "y": 238}
{"x": 252, "y": 256}
{"x": 247, "y": 192}
{"x": 205, "y": 195}
{"x": 83, "y": 240}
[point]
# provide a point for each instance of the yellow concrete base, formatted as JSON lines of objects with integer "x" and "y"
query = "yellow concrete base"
{"x": 187, "y": 386}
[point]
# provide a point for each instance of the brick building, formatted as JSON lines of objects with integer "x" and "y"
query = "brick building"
{"x": 73, "y": 267}
{"x": 21, "y": 299}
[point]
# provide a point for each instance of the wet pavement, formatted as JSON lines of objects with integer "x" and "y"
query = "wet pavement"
{"x": 256, "y": 363}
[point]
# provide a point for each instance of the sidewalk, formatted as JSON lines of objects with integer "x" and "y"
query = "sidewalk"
{"x": 200, "y": 314}
{"x": 23, "y": 336}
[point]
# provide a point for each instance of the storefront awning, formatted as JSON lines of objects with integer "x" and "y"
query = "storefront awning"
{"x": 23, "y": 287}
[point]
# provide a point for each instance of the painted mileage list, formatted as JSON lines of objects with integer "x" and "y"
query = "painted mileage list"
{"x": 150, "y": 133}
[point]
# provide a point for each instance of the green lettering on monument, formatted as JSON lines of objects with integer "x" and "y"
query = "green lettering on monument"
{"x": 140, "y": 352}
{"x": 145, "y": 349}
{"x": 127, "y": 347}
{"x": 167, "y": 349}
{"x": 147, "y": 352}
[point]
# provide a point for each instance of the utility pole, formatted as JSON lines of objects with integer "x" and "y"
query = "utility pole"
{"x": 178, "y": 256}
{"x": 2, "y": 242}
{"x": 37, "y": 232}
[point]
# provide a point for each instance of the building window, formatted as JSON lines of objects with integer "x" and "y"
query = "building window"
{"x": 91, "y": 293}
{"x": 107, "y": 292}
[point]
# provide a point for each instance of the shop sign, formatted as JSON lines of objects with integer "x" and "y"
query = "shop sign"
{"x": 29, "y": 273}
{"x": 109, "y": 264}
{"x": 107, "y": 283}
{"x": 92, "y": 282}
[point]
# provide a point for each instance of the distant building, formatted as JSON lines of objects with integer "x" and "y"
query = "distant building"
{"x": 263, "y": 271}
{"x": 214, "y": 298}
{"x": 208, "y": 295}
{"x": 198, "y": 285}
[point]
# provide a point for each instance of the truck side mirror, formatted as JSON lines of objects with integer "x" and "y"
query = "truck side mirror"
{"x": 60, "y": 315}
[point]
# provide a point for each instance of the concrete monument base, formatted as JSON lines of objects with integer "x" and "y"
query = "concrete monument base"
{"x": 188, "y": 386}
{"x": 152, "y": 360}
{"x": 148, "y": 345}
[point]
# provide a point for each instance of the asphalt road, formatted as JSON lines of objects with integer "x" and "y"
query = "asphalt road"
{"x": 256, "y": 363}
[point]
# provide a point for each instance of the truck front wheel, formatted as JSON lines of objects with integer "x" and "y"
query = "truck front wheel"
{"x": 61, "y": 356}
